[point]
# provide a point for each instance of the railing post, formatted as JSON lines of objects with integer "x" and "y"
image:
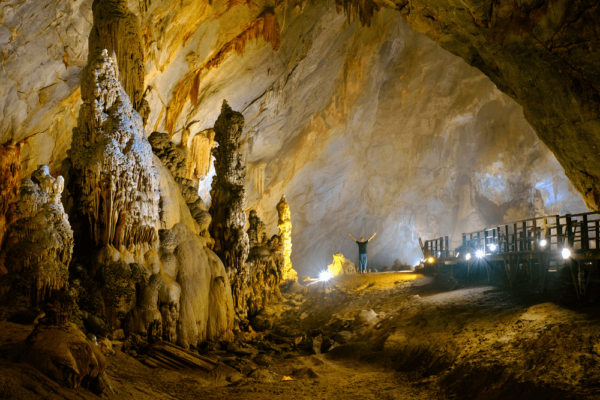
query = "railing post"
{"x": 464, "y": 240}
{"x": 585, "y": 242}
{"x": 441, "y": 246}
{"x": 447, "y": 247}
{"x": 569, "y": 230}
{"x": 559, "y": 238}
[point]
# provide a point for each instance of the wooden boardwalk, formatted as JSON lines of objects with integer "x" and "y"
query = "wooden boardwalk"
{"x": 524, "y": 252}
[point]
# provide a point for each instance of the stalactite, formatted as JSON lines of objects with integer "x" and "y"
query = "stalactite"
{"x": 39, "y": 243}
{"x": 265, "y": 26}
{"x": 258, "y": 178}
{"x": 201, "y": 150}
{"x": 228, "y": 203}
{"x": 285, "y": 233}
{"x": 363, "y": 9}
{"x": 113, "y": 181}
{"x": 117, "y": 29}
{"x": 10, "y": 168}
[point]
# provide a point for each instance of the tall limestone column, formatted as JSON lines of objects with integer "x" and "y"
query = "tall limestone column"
{"x": 285, "y": 233}
{"x": 228, "y": 203}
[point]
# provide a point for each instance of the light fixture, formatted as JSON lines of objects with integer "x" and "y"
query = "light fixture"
{"x": 543, "y": 242}
{"x": 325, "y": 276}
{"x": 480, "y": 253}
{"x": 492, "y": 247}
{"x": 430, "y": 260}
{"x": 566, "y": 253}
{"x": 468, "y": 256}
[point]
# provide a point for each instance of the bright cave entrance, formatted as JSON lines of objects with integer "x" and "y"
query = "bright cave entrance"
{"x": 299, "y": 200}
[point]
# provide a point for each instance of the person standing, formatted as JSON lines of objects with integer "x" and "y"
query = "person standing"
{"x": 362, "y": 252}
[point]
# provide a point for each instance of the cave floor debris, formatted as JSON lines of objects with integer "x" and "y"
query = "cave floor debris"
{"x": 387, "y": 336}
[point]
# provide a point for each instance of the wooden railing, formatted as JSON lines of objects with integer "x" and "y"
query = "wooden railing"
{"x": 578, "y": 232}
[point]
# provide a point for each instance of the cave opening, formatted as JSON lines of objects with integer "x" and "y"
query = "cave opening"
{"x": 299, "y": 199}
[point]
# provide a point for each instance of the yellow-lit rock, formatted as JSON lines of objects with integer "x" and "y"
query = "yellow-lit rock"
{"x": 341, "y": 265}
{"x": 285, "y": 233}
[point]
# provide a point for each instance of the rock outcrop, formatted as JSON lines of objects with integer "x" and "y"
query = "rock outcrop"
{"x": 39, "y": 243}
{"x": 341, "y": 265}
{"x": 228, "y": 203}
{"x": 60, "y": 350}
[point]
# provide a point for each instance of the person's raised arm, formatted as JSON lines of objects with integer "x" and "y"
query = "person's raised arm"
{"x": 352, "y": 237}
{"x": 372, "y": 237}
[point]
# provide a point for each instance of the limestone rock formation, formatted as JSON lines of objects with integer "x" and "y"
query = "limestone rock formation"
{"x": 341, "y": 265}
{"x": 266, "y": 265}
{"x": 285, "y": 233}
{"x": 228, "y": 203}
{"x": 61, "y": 351}
{"x": 162, "y": 284}
{"x": 10, "y": 168}
{"x": 116, "y": 29}
{"x": 113, "y": 178}
{"x": 542, "y": 54}
{"x": 386, "y": 107}
{"x": 200, "y": 159}
{"x": 38, "y": 245}
{"x": 175, "y": 160}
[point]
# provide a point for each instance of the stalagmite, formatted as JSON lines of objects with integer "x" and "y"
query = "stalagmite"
{"x": 228, "y": 202}
{"x": 266, "y": 266}
{"x": 113, "y": 179}
{"x": 341, "y": 265}
{"x": 162, "y": 284}
{"x": 285, "y": 233}
{"x": 39, "y": 243}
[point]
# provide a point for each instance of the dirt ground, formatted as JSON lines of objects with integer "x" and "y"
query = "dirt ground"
{"x": 420, "y": 341}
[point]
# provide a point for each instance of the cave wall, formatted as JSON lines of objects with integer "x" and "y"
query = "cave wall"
{"x": 363, "y": 129}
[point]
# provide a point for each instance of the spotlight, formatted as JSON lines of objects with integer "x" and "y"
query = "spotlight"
{"x": 325, "y": 276}
{"x": 468, "y": 256}
{"x": 492, "y": 247}
{"x": 566, "y": 253}
{"x": 430, "y": 260}
{"x": 480, "y": 253}
{"x": 543, "y": 242}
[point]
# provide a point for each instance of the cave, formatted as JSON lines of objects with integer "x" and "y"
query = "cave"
{"x": 379, "y": 199}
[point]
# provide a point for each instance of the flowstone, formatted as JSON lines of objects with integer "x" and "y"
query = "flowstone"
{"x": 176, "y": 161}
{"x": 39, "y": 243}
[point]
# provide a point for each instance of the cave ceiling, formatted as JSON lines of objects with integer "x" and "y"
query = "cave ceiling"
{"x": 412, "y": 119}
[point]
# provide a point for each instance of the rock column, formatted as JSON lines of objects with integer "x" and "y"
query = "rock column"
{"x": 228, "y": 203}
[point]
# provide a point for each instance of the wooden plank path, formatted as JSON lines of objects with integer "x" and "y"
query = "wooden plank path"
{"x": 525, "y": 251}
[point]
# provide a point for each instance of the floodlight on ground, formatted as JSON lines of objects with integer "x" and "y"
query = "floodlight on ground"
{"x": 468, "y": 256}
{"x": 325, "y": 276}
{"x": 492, "y": 247}
{"x": 430, "y": 260}
{"x": 566, "y": 253}
{"x": 543, "y": 242}
{"x": 480, "y": 253}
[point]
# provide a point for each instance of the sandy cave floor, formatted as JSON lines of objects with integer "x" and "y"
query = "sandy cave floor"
{"x": 423, "y": 343}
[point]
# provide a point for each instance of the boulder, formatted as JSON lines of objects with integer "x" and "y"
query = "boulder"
{"x": 365, "y": 317}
